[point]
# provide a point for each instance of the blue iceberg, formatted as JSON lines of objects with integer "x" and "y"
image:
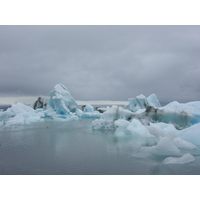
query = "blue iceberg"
{"x": 61, "y": 100}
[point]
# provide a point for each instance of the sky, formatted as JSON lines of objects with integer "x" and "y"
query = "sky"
{"x": 101, "y": 62}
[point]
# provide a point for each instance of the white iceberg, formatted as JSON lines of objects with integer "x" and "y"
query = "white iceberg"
{"x": 191, "y": 134}
{"x": 182, "y": 144}
{"x": 190, "y": 107}
{"x": 153, "y": 101}
{"x": 187, "y": 158}
{"x": 121, "y": 127}
{"x": 112, "y": 114}
{"x": 160, "y": 130}
{"x": 136, "y": 128}
{"x": 166, "y": 146}
{"x": 20, "y": 114}
{"x": 117, "y": 112}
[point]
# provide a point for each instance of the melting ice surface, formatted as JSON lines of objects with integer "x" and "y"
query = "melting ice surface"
{"x": 139, "y": 138}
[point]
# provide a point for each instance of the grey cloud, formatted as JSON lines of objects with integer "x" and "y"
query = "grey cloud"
{"x": 101, "y": 62}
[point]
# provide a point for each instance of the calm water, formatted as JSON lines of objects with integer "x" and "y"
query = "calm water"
{"x": 73, "y": 148}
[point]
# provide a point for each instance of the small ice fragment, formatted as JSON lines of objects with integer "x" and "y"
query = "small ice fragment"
{"x": 187, "y": 158}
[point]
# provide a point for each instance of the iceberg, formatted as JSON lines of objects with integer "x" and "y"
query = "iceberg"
{"x": 117, "y": 112}
{"x": 141, "y": 102}
{"x": 136, "y": 127}
{"x": 191, "y": 134}
{"x": 134, "y": 131}
{"x": 121, "y": 127}
{"x": 88, "y": 108}
{"x": 137, "y": 103}
{"x": 186, "y": 158}
{"x": 20, "y": 114}
{"x": 153, "y": 101}
{"x": 112, "y": 114}
{"x": 88, "y": 112}
{"x": 103, "y": 124}
{"x": 166, "y": 146}
{"x": 182, "y": 144}
{"x": 62, "y": 101}
{"x": 190, "y": 107}
{"x": 180, "y": 119}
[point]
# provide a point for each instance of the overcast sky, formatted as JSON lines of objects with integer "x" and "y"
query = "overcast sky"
{"x": 101, "y": 62}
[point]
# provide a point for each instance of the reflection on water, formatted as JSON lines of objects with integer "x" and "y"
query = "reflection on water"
{"x": 75, "y": 148}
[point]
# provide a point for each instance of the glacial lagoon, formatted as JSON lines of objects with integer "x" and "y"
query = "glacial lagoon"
{"x": 75, "y": 148}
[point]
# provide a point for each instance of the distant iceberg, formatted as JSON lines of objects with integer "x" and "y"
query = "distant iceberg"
{"x": 141, "y": 102}
{"x": 88, "y": 112}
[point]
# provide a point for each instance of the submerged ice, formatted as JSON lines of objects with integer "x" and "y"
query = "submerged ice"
{"x": 168, "y": 131}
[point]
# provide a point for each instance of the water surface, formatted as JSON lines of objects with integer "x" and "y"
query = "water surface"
{"x": 74, "y": 148}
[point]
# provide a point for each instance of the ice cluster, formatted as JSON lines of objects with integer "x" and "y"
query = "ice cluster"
{"x": 167, "y": 131}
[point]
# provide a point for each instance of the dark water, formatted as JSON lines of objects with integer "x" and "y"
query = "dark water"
{"x": 73, "y": 148}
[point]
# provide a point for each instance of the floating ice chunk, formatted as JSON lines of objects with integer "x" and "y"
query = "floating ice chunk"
{"x": 157, "y": 132}
{"x": 167, "y": 128}
{"x": 121, "y": 126}
{"x": 133, "y": 104}
{"x": 79, "y": 112}
{"x": 20, "y": 114}
{"x": 166, "y": 146}
{"x": 140, "y": 111}
{"x": 135, "y": 130}
{"x": 182, "y": 144}
{"x": 88, "y": 108}
{"x": 153, "y": 101}
{"x": 161, "y": 129}
{"x": 112, "y": 114}
{"x": 135, "y": 127}
{"x": 103, "y": 124}
{"x": 137, "y": 103}
{"x": 142, "y": 100}
{"x": 117, "y": 112}
{"x": 191, "y": 134}
{"x": 94, "y": 115}
{"x": 62, "y": 101}
{"x": 88, "y": 112}
{"x": 190, "y": 107}
{"x": 121, "y": 123}
{"x": 23, "y": 119}
{"x": 180, "y": 119}
{"x": 187, "y": 158}
{"x": 19, "y": 108}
